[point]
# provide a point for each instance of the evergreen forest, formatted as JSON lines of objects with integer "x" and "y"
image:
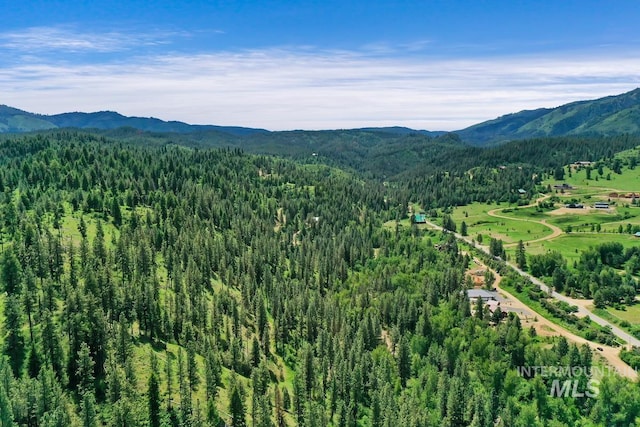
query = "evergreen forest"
{"x": 149, "y": 283}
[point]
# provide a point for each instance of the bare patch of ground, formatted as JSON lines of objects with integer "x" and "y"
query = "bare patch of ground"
{"x": 578, "y": 211}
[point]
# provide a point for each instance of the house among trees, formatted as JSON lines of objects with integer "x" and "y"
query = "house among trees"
{"x": 493, "y": 306}
{"x": 485, "y": 295}
{"x": 583, "y": 163}
{"x": 522, "y": 191}
{"x": 420, "y": 218}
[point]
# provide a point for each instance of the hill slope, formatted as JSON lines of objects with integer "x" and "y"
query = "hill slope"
{"x": 15, "y": 120}
{"x": 611, "y": 115}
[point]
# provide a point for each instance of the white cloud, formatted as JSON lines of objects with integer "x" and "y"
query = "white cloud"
{"x": 293, "y": 89}
{"x": 69, "y": 39}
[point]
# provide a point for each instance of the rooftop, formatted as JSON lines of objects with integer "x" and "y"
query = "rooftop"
{"x": 482, "y": 293}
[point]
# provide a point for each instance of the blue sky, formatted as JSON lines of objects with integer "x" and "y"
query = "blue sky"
{"x": 437, "y": 65}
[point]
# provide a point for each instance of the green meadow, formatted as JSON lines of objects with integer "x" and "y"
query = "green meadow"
{"x": 479, "y": 221}
{"x": 631, "y": 313}
{"x": 572, "y": 244}
{"x": 629, "y": 180}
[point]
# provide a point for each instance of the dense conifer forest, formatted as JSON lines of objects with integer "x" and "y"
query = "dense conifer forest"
{"x": 165, "y": 285}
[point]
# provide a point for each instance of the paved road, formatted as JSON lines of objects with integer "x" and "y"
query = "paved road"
{"x": 630, "y": 339}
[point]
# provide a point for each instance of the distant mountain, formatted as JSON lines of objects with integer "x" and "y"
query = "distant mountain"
{"x": 14, "y": 120}
{"x": 400, "y": 130}
{"x": 612, "y": 115}
{"x": 608, "y": 116}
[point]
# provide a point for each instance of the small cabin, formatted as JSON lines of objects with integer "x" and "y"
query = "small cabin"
{"x": 563, "y": 186}
{"x": 601, "y": 205}
{"x": 420, "y": 218}
{"x": 485, "y": 295}
{"x": 583, "y": 163}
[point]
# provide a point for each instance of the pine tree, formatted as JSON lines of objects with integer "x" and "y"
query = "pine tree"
{"x": 88, "y": 410}
{"x": 99, "y": 248}
{"x": 115, "y": 212}
{"x": 192, "y": 367}
{"x": 280, "y": 420}
{"x": 51, "y": 344}
{"x": 14, "y": 346}
{"x": 186, "y": 408}
{"x": 404, "y": 361}
{"x": 33, "y": 364}
{"x": 212, "y": 375}
{"x": 236, "y": 405}
{"x": 255, "y": 352}
{"x": 448, "y": 223}
{"x": 521, "y": 257}
{"x": 82, "y": 228}
{"x": 169, "y": 372}
{"x": 479, "y": 308}
{"x": 154, "y": 401}
{"x": 463, "y": 229}
{"x": 10, "y": 272}
{"x": 6, "y": 413}
{"x": 10, "y": 218}
{"x": 213, "y": 417}
{"x": 85, "y": 370}
{"x": 455, "y": 404}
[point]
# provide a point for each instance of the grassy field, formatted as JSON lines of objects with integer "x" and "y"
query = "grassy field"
{"x": 571, "y": 245}
{"x": 508, "y": 230}
{"x": 629, "y": 180}
{"x": 631, "y": 313}
{"x": 607, "y": 219}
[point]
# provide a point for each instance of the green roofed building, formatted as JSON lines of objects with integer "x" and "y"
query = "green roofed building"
{"x": 420, "y": 218}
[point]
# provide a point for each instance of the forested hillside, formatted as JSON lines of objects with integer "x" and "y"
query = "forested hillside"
{"x": 608, "y": 116}
{"x": 391, "y": 156}
{"x": 166, "y": 285}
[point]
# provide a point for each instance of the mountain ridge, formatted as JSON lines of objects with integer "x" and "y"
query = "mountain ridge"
{"x": 14, "y": 120}
{"x": 607, "y": 116}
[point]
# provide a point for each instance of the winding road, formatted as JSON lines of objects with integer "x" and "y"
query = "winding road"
{"x": 555, "y": 231}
